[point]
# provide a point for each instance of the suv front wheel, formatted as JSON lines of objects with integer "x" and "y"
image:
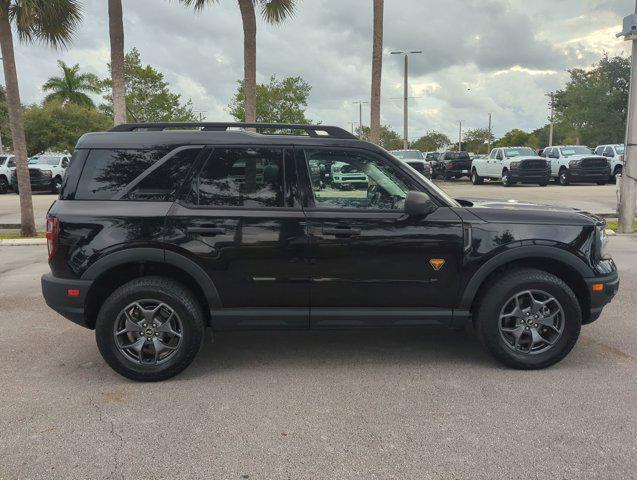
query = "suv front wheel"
{"x": 528, "y": 319}
{"x": 150, "y": 329}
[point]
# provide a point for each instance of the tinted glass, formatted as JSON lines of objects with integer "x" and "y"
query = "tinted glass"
{"x": 2, "y": 160}
{"x": 240, "y": 177}
{"x": 344, "y": 179}
{"x": 457, "y": 156}
{"x": 163, "y": 183}
{"x": 432, "y": 156}
{"x": 107, "y": 172}
{"x": 11, "y": 163}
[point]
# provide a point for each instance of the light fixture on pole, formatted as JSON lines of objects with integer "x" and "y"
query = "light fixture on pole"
{"x": 405, "y": 54}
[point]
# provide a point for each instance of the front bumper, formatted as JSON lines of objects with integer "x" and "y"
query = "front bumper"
{"x": 56, "y": 292}
{"x": 44, "y": 183}
{"x": 587, "y": 175}
{"x": 601, "y": 298}
{"x": 530, "y": 176}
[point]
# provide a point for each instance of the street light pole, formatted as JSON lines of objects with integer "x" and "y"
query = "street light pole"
{"x": 489, "y": 139}
{"x": 405, "y": 54}
{"x": 629, "y": 173}
{"x": 360, "y": 117}
{"x": 551, "y": 128}
{"x": 460, "y": 137}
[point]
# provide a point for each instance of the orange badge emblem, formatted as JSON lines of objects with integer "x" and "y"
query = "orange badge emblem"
{"x": 437, "y": 263}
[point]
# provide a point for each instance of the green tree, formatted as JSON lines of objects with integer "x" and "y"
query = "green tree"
{"x": 431, "y": 141}
{"x": 273, "y": 12}
{"x": 389, "y": 139}
{"x": 518, "y": 138}
{"x": 562, "y": 135}
{"x": 72, "y": 86}
{"x": 593, "y": 103}
{"x": 476, "y": 140}
{"x": 56, "y": 126}
{"x": 148, "y": 96}
{"x": 52, "y": 22}
{"x": 283, "y": 101}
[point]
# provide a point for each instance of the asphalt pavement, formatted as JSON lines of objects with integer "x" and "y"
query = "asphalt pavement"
{"x": 423, "y": 404}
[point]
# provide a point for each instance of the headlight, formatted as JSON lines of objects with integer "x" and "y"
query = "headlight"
{"x": 337, "y": 169}
{"x": 574, "y": 163}
{"x": 601, "y": 241}
{"x": 47, "y": 173}
{"x": 514, "y": 164}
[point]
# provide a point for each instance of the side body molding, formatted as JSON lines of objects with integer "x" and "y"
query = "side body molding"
{"x": 518, "y": 253}
{"x": 157, "y": 255}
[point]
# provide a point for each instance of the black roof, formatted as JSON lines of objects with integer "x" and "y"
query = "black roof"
{"x": 149, "y": 135}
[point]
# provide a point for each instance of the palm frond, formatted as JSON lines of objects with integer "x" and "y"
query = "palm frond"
{"x": 49, "y": 21}
{"x": 198, "y": 4}
{"x": 276, "y": 11}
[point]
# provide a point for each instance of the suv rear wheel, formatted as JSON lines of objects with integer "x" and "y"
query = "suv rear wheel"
{"x": 150, "y": 329}
{"x": 528, "y": 319}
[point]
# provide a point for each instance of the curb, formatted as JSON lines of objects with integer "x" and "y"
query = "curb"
{"x": 22, "y": 242}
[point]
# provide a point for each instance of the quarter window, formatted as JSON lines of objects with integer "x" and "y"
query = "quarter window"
{"x": 240, "y": 177}
{"x": 347, "y": 179}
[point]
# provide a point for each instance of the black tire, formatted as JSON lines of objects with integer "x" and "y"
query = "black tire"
{"x": 563, "y": 177}
{"x": 542, "y": 184}
{"x": 4, "y": 186}
{"x": 56, "y": 185}
{"x": 446, "y": 175}
{"x": 169, "y": 292}
{"x": 489, "y": 306}
{"x": 617, "y": 171}
{"x": 506, "y": 179}
{"x": 601, "y": 183}
{"x": 475, "y": 178}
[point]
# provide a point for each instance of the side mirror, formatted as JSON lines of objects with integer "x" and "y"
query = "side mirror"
{"x": 418, "y": 204}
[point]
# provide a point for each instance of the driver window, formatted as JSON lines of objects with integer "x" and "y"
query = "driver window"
{"x": 348, "y": 179}
{"x": 493, "y": 153}
{"x": 499, "y": 155}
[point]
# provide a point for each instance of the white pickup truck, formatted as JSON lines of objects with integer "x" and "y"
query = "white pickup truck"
{"x": 615, "y": 155}
{"x": 511, "y": 165}
{"x": 7, "y": 166}
{"x": 577, "y": 164}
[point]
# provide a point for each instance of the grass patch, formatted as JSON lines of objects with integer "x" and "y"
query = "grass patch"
{"x": 13, "y": 236}
{"x": 612, "y": 225}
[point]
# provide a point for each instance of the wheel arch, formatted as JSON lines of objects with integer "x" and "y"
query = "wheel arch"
{"x": 560, "y": 263}
{"x": 116, "y": 269}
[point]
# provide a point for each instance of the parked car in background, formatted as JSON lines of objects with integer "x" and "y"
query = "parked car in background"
{"x": 46, "y": 172}
{"x": 432, "y": 156}
{"x": 453, "y": 165}
{"x": 415, "y": 159}
{"x": 7, "y": 166}
{"x": 511, "y": 165}
{"x": 615, "y": 154}
{"x": 347, "y": 177}
{"x": 577, "y": 164}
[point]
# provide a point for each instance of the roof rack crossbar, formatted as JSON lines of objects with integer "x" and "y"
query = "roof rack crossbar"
{"x": 311, "y": 130}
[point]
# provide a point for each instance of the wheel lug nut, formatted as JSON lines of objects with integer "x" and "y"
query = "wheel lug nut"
{"x": 526, "y": 328}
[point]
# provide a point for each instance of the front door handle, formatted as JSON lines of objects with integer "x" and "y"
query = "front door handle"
{"x": 344, "y": 231}
{"x": 206, "y": 231}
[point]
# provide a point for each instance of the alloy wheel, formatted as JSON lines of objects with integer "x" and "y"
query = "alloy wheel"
{"x": 148, "y": 332}
{"x": 531, "y": 322}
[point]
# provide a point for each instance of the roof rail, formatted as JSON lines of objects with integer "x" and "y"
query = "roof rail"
{"x": 312, "y": 130}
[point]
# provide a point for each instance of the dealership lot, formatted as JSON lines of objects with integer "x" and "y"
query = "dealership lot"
{"x": 415, "y": 404}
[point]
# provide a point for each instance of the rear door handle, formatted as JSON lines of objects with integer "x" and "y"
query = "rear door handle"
{"x": 206, "y": 231}
{"x": 350, "y": 232}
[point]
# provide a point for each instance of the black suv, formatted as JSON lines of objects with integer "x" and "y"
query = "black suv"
{"x": 453, "y": 165}
{"x": 161, "y": 231}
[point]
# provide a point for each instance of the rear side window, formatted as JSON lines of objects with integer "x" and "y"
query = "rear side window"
{"x": 107, "y": 172}
{"x": 240, "y": 177}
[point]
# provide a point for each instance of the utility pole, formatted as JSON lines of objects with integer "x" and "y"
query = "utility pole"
{"x": 460, "y": 138}
{"x": 489, "y": 139}
{"x": 360, "y": 116}
{"x": 405, "y": 54}
{"x": 629, "y": 174}
{"x": 551, "y": 127}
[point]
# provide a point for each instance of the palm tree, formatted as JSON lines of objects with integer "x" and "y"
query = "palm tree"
{"x": 272, "y": 11}
{"x": 72, "y": 86}
{"x": 377, "y": 68}
{"x": 116, "y": 31}
{"x": 49, "y": 21}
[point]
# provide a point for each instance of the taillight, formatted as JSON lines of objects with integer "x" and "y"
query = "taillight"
{"x": 52, "y": 235}
{"x": 450, "y": 165}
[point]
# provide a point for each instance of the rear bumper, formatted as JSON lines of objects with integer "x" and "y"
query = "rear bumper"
{"x": 599, "y": 299}
{"x": 56, "y": 294}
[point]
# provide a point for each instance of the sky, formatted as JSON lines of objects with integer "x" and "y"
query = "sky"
{"x": 479, "y": 57}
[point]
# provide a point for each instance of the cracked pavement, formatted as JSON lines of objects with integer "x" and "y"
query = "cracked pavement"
{"x": 318, "y": 405}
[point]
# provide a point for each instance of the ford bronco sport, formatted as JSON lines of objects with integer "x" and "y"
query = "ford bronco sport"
{"x": 164, "y": 230}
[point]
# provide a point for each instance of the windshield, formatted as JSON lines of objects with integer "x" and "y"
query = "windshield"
{"x": 570, "y": 151}
{"x": 44, "y": 161}
{"x": 432, "y": 156}
{"x": 620, "y": 149}
{"x": 457, "y": 156}
{"x": 408, "y": 154}
{"x": 519, "y": 152}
